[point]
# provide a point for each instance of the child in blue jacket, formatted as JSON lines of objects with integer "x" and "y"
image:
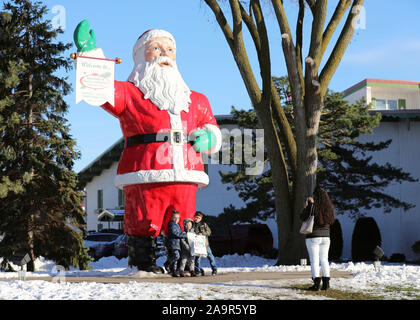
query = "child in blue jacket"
{"x": 175, "y": 234}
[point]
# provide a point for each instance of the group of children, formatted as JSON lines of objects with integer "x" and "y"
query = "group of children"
{"x": 180, "y": 255}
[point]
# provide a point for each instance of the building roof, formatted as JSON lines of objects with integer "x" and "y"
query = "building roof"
{"x": 111, "y": 215}
{"x": 398, "y": 114}
{"x": 383, "y": 83}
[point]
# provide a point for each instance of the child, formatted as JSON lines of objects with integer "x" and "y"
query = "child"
{"x": 200, "y": 227}
{"x": 175, "y": 234}
{"x": 186, "y": 256}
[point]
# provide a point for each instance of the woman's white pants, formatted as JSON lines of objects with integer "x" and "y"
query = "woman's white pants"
{"x": 318, "y": 254}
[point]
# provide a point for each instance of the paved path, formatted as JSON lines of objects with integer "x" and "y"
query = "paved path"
{"x": 225, "y": 277}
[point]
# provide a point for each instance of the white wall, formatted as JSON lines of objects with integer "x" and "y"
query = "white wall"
{"x": 212, "y": 199}
{"x": 357, "y": 95}
{"x": 105, "y": 181}
{"x": 399, "y": 229}
{"x": 394, "y": 93}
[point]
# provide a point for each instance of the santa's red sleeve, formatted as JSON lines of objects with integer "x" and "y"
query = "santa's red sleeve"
{"x": 206, "y": 121}
{"x": 119, "y": 104}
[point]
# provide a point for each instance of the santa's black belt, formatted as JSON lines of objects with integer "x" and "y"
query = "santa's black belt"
{"x": 175, "y": 137}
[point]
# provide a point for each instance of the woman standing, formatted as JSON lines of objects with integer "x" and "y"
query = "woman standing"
{"x": 318, "y": 242}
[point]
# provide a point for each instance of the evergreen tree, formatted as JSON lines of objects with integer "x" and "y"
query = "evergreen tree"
{"x": 40, "y": 207}
{"x": 345, "y": 170}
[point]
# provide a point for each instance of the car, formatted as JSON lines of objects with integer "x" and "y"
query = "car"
{"x": 120, "y": 249}
{"x": 100, "y": 244}
{"x": 255, "y": 239}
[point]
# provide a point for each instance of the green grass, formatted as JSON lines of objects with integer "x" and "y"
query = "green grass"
{"x": 408, "y": 292}
{"x": 337, "y": 294}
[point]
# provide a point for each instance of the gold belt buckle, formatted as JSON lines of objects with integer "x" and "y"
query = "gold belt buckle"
{"x": 177, "y": 137}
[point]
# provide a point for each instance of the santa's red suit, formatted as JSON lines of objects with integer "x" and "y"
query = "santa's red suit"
{"x": 159, "y": 176}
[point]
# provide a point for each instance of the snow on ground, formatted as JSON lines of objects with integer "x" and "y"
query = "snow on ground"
{"x": 391, "y": 281}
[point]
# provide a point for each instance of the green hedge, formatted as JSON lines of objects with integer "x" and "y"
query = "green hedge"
{"x": 366, "y": 236}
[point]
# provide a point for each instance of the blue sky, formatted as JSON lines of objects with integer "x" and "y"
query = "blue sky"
{"x": 388, "y": 47}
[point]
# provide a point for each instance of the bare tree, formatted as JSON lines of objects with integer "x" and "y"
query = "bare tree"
{"x": 292, "y": 151}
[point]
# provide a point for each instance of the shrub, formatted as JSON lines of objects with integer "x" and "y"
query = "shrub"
{"x": 366, "y": 236}
{"x": 336, "y": 235}
{"x": 397, "y": 257}
{"x": 416, "y": 247}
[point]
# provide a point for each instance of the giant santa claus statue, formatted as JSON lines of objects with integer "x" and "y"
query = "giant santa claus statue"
{"x": 166, "y": 127}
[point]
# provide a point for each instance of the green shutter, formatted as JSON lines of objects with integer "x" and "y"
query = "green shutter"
{"x": 120, "y": 198}
{"x": 100, "y": 199}
{"x": 373, "y": 104}
{"x": 401, "y": 104}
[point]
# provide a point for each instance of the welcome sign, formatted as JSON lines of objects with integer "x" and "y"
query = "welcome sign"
{"x": 95, "y": 80}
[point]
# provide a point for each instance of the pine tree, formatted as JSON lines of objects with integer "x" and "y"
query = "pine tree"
{"x": 40, "y": 207}
{"x": 346, "y": 170}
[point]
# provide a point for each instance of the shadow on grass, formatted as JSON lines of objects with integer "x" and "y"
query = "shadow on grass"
{"x": 336, "y": 294}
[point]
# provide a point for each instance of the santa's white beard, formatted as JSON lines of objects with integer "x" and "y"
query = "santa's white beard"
{"x": 164, "y": 86}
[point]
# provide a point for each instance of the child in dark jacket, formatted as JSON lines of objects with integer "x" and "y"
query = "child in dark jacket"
{"x": 175, "y": 234}
{"x": 187, "y": 258}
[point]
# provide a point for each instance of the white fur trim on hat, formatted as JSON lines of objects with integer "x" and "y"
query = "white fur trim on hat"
{"x": 154, "y": 33}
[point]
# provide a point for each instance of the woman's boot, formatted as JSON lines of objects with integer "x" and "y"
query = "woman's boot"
{"x": 325, "y": 283}
{"x": 317, "y": 284}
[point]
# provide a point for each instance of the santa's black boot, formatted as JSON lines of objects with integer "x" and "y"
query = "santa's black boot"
{"x": 141, "y": 254}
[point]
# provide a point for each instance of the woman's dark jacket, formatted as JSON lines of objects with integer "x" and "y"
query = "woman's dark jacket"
{"x": 174, "y": 235}
{"x": 318, "y": 230}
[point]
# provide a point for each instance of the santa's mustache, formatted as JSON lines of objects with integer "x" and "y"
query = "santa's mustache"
{"x": 162, "y": 61}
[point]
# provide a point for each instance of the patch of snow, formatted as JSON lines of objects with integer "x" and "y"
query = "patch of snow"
{"x": 366, "y": 279}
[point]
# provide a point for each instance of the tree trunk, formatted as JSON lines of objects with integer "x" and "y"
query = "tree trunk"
{"x": 31, "y": 218}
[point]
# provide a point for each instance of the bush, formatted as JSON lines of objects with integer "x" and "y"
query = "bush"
{"x": 416, "y": 247}
{"x": 336, "y": 248}
{"x": 366, "y": 236}
{"x": 397, "y": 257}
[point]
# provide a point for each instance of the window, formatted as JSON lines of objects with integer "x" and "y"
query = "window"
{"x": 392, "y": 104}
{"x": 100, "y": 199}
{"x": 380, "y": 104}
{"x": 401, "y": 104}
{"x": 121, "y": 198}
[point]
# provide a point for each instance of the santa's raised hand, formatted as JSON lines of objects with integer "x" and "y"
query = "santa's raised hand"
{"x": 84, "y": 38}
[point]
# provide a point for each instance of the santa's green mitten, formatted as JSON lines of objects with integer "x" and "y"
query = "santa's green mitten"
{"x": 84, "y": 38}
{"x": 204, "y": 140}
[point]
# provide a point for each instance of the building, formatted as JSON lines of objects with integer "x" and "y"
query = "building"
{"x": 399, "y": 103}
{"x": 386, "y": 94}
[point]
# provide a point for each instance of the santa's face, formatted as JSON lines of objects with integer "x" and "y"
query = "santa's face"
{"x": 156, "y": 74}
{"x": 160, "y": 47}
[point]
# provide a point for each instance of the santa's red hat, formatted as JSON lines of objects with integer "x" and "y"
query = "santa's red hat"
{"x": 149, "y": 34}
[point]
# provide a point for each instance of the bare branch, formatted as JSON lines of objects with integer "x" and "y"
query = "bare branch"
{"x": 339, "y": 12}
{"x": 252, "y": 28}
{"x": 299, "y": 40}
{"x": 311, "y": 4}
{"x": 221, "y": 19}
{"x": 264, "y": 53}
{"x": 340, "y": 47}
{"x": 279, "y": 115}
{"x": 315, "y": 49}
{"x": 281, "y": 17}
